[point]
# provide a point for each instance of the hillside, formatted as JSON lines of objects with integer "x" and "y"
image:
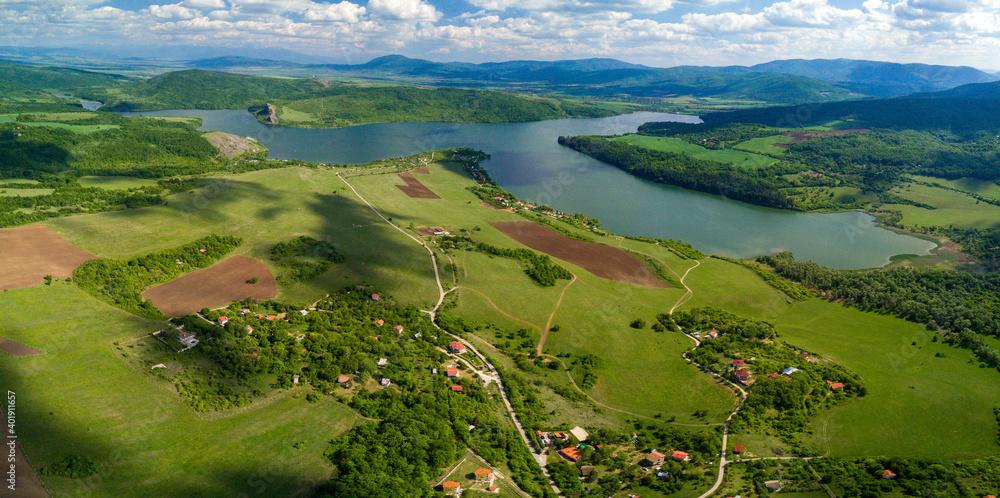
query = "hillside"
{"x": 55, "y": 79}
{"x": 876, "y": 78}
{"x": 970, "y": 91}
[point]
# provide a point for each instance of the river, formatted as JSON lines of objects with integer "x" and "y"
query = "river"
{"x": 527, "y": 161}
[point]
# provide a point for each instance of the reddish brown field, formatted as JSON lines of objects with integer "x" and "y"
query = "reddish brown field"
{"x": 28, "y": 254}
{"x": 215, "y": 286}
{"x": 414, "y": 188}
{"x": 18, "y": 349}
{"x": 601, "y": 260}
{"x": 28, "y": 484}
{"x": 423, "y": 171}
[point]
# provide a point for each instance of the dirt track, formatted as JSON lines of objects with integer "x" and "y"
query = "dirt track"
{"x": 414, "y": 188}
{"x": 212, "y": 287}
{"x": 28, "y": 254}
{"x": 601, "y": 260}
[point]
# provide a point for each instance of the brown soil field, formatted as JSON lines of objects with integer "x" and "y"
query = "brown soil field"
{"x": 495, "y": 207}
{"x": 601, "y": 260}
{"x": 423, "y": 171}
{"x": 18, "y": 349}
{"x": 212, "y": 287}
{"x": 28, "y": 254}
{"x": 414, "y": 188}
{"x": 802, "y": 136}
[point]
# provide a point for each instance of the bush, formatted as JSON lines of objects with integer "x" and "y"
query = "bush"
{"x": 73, "y": 467}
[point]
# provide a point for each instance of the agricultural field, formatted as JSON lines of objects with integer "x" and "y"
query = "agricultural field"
{"x": 952, "y": 208}
{"x": 985, "y": 188}
{"x": 766, "y": 145}
{"x": 87, "y": 401}
{"x": 670, "y": 144}
{"x": 214, "y": 287}
{"x": 31, "y": 253}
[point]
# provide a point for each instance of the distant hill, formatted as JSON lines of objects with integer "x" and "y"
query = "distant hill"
{"x": 55, "y": 79}
{"x": 880, "y": 79}
{"x": 971, "y": 91}
{"x": 233, "y": 61}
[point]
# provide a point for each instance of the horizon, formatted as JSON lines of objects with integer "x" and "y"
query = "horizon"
{"x": 647, "y": 32}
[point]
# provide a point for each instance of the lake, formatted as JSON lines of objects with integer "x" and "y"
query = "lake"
{"x": 527, "y": 161}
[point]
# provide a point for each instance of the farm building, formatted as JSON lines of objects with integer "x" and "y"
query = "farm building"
{"x": 572, "y": 454}
{"x": 440, "y": 231}
{"x": 456, "y": 347}
{"x": 680, "y": 456}
{"x": 653, "y": 459}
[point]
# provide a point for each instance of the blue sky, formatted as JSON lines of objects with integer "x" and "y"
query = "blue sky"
{"x": 653, "y": 32}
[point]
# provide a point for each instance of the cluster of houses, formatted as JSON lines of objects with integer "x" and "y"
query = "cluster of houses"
{"x": 483, "y": 480}
{"x": 744, "y": 377}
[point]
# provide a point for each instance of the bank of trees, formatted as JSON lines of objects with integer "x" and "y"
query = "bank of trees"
{"x": 304, "y": 258}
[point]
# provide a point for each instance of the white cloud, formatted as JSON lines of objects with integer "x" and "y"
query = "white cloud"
{"x": 205, "y": 4}
{"x": 172, "y": 11}
{"x": 343, "y": 11}
{"x": 817, "y": 13}
{"x": 408, "y": 10}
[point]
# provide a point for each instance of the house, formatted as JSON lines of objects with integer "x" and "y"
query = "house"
{"x": 456, "y": 347}
{"x": 452, "y": 488}
{"x": 187, "y": 338}
{"x": 398, "y": 328}
{"x": 343, "y": 380}
{"x": 738, "y": 449}
{"x": 382, "y": 362}
{"x": 303, "y": 312}
{"x": 484, "y": 475}
{"x": 271, "y": 318}
{"x": 559, "y": 435}
{"x": 741, "y": 374}
{"x": 295, "y": 379}
{"x": 789, "y": 371}
{"x": 837, "y": 386}
{"x": 888, "y": 474}
{"x": 249, "y": 329}
{"x": 772, "y": 375}
{"x": 737, "y": 363}
{"x": 375, "y": 297}
{"x": 539, "y": 433}
{"x": 680, "y": 456}
{"x": 772, "y": 485}
{"x": 380, "y": 322}
{"x": 653, "y": 459}
{"x": 385, "y": 382}
{"x": 712, "y": 335}
{"x": 586, "y": 470}
{"x": 457, "y": 389}
{"x": 572, "y": 454}
{"x": 434, "y": 371}
{"x": 223, "y": 320}
{"x": 452, "y": 372}
{"x": 244, "y": 311}
{"x": 203, "y": 251}
{"x": 440, "y": 231}
{"x": 580, "y": 434}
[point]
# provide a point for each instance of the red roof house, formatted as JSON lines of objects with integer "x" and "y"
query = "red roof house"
{"x": 737, "y": 363}
{"x": 738, "y": 448}
{"x": 457, "y": 389}
{"x": 484, "y": 475}
{"x": 888, "y": 474}
{"x": 837, "y": 386}
{"x": 452, "y": 372}
{"x": 456, "y": 347}
{"x": 680, "y": 456}
{"x": 398, "y": 328}
{"x": 772, "y": 375}
{"x": 380, "y": 322}
{"x": 375, "y": 297}
{"x": 742, "y": 374}
{"x": 572, "y": 454}
{"x": 452, "y": 487}
{"x": 653, "y": 459}
{"x": 223, "y": 320}
{"x": 343, "y": 380}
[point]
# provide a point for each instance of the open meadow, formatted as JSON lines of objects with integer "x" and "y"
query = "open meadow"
{"x": 951, "y": 208}
{"x": 671, "y": 144}
{"x": 86, "y": 401}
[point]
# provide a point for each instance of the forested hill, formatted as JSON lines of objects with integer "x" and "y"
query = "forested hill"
{"x": 971, "y": 91}
{"x": 959, "y": 116}
{"x": 323, "y": 104}
{"x": 55, "y": 79}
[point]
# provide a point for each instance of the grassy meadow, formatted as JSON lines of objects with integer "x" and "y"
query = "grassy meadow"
{"x": 115, "y": 182}
{"x": 671, "y": 144}
{"x": 951, "y": 208}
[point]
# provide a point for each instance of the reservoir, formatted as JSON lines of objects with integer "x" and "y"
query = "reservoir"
{"x": 527, "y": 161}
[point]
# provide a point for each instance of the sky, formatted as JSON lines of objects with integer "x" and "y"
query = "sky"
{"x": 654, "y": 32}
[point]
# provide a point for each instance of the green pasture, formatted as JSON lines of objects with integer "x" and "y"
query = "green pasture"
{"x": 25, "y": 192}
{"x": 952, "y": 208}
{"x": 913, "y": 395}
{"x": 115, "y": 182}
{"x": 671, "y": 144}
{"x": 80, "y": 398}
{"x": 765, "y": 145}
{"x": 985, "y": 188}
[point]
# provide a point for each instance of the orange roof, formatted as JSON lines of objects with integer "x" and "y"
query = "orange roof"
{"x": 493, "y": 488}
{"x": 399, "y": 328}
{"x": 737, "y": 362}
{"x": 379, "y": 322}
{"x": 572, "y": 452}
{"x": 679, "y": 455}
{"x": 451, "y": 484}
{"x": 452, "y": 371}
{"x": 342, "y": 379}
{"x": 456, "y": 388}
{"x": 654, "y": 456}
{"x": 836, "y": 385}
{"x": 483, "y": 472}
{"x": 887, "y": 474}
{"x": 538, "y": 433}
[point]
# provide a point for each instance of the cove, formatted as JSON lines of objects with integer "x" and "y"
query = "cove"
{"x": 527, "y": 161}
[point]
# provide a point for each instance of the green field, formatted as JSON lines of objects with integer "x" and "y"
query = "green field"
{"x": 670, "y": 144}
{"x": 115, "y": 182}
{"x": 25, "y": 192}
{"x": 952, "y": 208}
{"x": 985, "y": 188}
{"x": 80, "y": 398}
{"x": 765, "y": 145}
{"x": 903, "y": 380}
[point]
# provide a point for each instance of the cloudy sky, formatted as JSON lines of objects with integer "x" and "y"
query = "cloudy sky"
{"x": 654, "y": 32}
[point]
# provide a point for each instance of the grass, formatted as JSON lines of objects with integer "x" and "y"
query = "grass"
{"x": 952, "y": 208}
{"x": 86, "y": 401}
{"x": 985, "y": 188}
{"x": 264, "y": 208}
{"x": 901, "y": 378}
{"x": 115, "y": 182}
{"x": 25, "y": 192}
{"x": 765, "y": 145}
{"x": 671, "y": 144}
